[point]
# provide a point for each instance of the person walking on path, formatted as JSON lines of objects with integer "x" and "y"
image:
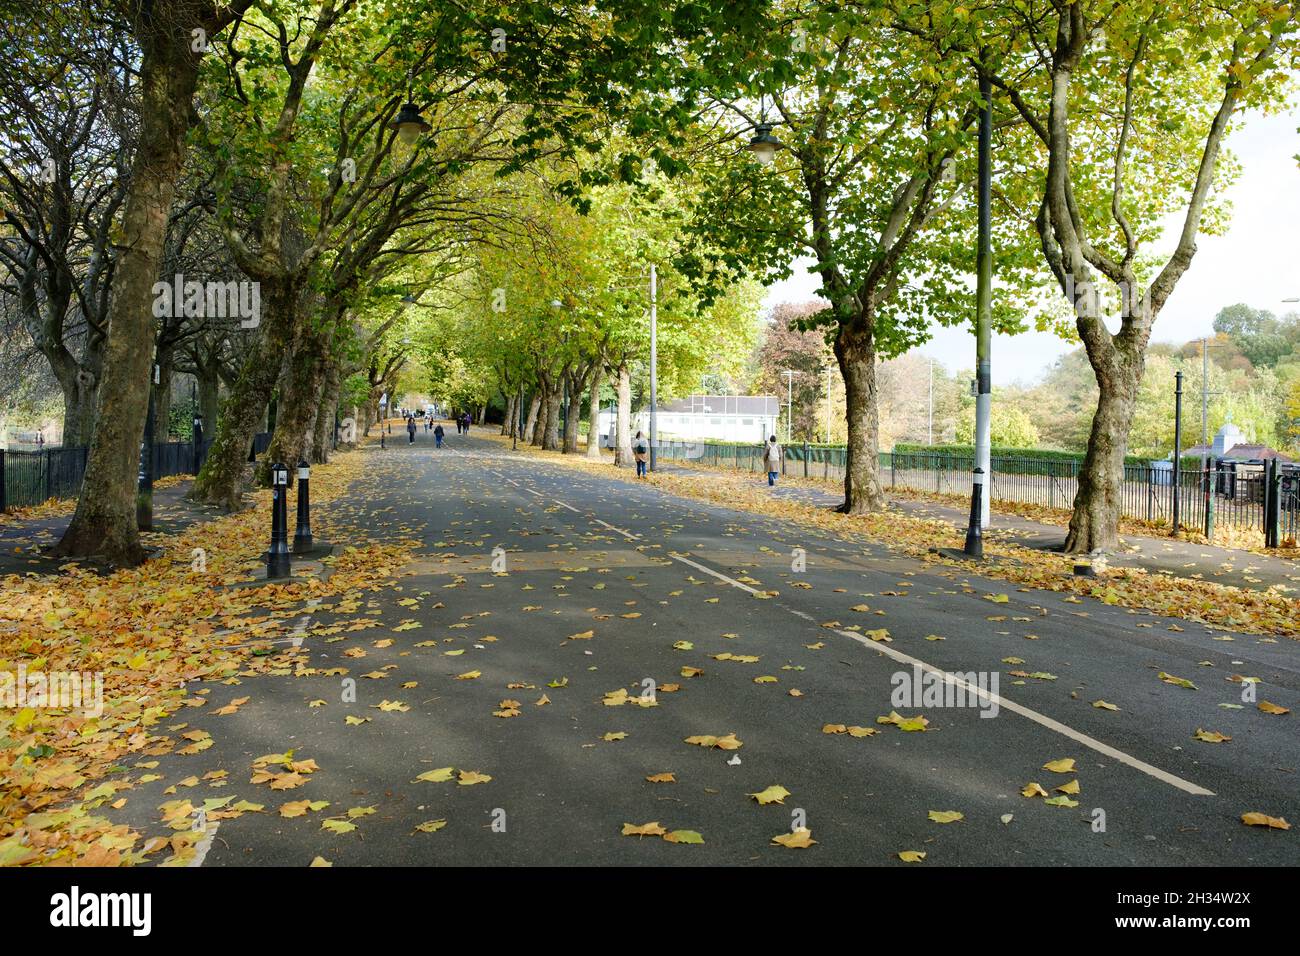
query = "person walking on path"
{"x": 466, "y": 421}
{"x": 772, "y": 459}
{"x": 437, "y": 436}
{"x": 410, "y": 429}
{"x": 639, "y": 453}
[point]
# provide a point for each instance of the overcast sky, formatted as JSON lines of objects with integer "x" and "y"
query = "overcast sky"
{"x": 1257, "y": 261}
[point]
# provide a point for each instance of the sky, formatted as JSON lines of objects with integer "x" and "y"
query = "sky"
{"x": 1257, "y": 262}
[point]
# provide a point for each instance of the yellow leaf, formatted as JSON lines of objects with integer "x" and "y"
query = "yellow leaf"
{"x": 946, "y": 816}
{"x": 662, "y": 778}
{"x": 441, "y": 775}
{"x": 468, "y": 778}
{"x": 1065, "y": 765}
{"x": 1210, "y": 736}
{"x": 644, "y": 829}
{"x": 773, "y": 794}
{"x": 1257, "y": 819}
{"x": 799, "y": 839}
{"x": 911, "y": 856}
{"x": 431, "y": 826}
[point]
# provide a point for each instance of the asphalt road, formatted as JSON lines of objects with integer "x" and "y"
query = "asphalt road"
{"x": 641, "y": 571}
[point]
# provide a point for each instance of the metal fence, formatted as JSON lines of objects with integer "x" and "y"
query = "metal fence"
{"x": 1147, "y": 492}
{"x": 32, "y": 477}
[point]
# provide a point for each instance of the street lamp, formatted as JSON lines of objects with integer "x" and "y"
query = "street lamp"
{"x": 409, "y": 123}
{"x": 789, "y": 403}
{"x": 764, "y": 145}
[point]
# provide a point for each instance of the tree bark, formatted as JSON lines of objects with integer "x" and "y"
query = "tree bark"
{"x": 209, "y": 400}
{"x": 623, "y": 445}
{"x": 1094, "y": 525}
{"x": 593, "y": 414}
{"x": 551, "y": 433}
{"x": 300, "y": 390}
{"x": 105, "y": 520}
{"x": 328, "y": 405}
{"x": 855, "y": 351}
{"x": 530, "y": 426}
{"x": 572, "y": 414}
{"x": 221, "y": 480}
{"x": 510, "y": 413}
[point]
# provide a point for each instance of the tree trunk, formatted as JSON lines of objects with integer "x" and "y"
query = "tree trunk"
{"x": 209, "y": 399}
{"x": 1094, "y": 526}
{"x": 510, "y": 414}
{"x": 551, "y": 434}
{"x": 300, "y": 390}
{"x": 623, "y": 446}
{"x": 328, "y": 405}
{"x": 79, "y": 395}
{"x": 593, "y": 415}
{"x": 221, "y": 480}
{"x": 105, "y": 519}
{"x": 856, "y": 354}
{"x": 572, "y": 414}
{"x": 530, "y": 426}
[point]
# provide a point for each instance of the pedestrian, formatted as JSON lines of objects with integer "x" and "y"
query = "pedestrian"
{"x": 437, "y": 437}
{"x": 772, "y": 459}
{"x": 639, "y": 451}
{"x": 410, "y": 429}
{"x": 460, "y": 424}
{"x": 467, "y": 421}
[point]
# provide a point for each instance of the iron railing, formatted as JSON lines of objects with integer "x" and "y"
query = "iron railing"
{"x": 32, "y": 477}
{"x": 1147, "y": 492}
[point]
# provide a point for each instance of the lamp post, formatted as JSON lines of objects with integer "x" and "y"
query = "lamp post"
{"x": 789, "y": 374}
{"x": 144, "y": 482}
{"x": 654, "y": 362}
{"x": 984, "y": 297}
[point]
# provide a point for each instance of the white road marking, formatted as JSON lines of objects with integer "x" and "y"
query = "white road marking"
{"x": 563, "y": 505}
{"x": 627, "y": 534}
{"x": 203, "y": 846}
{"x": 1041, "y": 719}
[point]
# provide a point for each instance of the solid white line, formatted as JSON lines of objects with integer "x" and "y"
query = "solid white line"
{"x": 563, "y": 505}
{"x": 1040, "y": 719}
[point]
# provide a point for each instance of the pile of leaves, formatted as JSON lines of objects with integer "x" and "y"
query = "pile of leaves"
{"x": 149, "y": 632}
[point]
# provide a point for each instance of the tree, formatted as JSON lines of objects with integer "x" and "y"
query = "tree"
{"x": 1132, "y": 103}
{"x": 105, "y": 521}
{"x": 872, "y": 186}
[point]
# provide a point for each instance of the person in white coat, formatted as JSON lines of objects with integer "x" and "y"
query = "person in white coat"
{"x": 772, "y": 459}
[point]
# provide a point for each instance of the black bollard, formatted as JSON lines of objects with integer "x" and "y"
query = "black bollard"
{"x": 302, "y": 534}
{"x": 277, "y": 557}
{"x": 974, "y": 538}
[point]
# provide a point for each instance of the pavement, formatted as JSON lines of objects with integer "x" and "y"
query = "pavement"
{"x": 545, "y": 585}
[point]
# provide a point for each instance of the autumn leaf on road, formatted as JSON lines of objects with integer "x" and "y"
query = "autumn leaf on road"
{"x": 800, "y": 839}
{"x": 773, "y": 794}
{"x": 1257, "y": 819}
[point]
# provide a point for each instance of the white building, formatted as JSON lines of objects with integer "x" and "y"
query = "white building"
{"x": 727, "y": 418}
